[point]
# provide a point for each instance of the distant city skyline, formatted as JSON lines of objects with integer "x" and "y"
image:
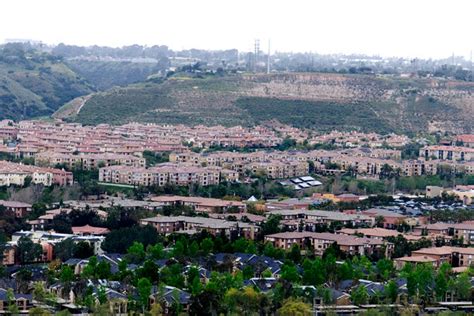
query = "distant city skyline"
{"x": 423, "y": 29}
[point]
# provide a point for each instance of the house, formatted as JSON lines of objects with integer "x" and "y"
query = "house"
{"x": 19, "y": 209}
{"x": 22, "y": 301}
{"x": 169, "y": 297}
{"x": 118, "y": 302}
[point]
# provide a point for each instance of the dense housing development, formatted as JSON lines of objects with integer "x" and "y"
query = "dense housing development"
{"x": 168, "y": 212}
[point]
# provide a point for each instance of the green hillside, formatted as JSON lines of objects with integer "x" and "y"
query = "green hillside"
{"x": 107, "y": 74}
{"x": 319, "y": 101}
{"x": 35, "y": 84}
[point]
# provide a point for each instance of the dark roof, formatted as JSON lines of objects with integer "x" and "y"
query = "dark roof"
{"x": 263, "y": 284}
{"x": 344, "y": 285}
{"x": 72, "y": 261}
{"x": 170, "y": 297}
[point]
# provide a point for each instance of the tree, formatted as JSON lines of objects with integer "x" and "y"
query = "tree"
{"x": 90, "y": 269}
{"x": 391, "y": 291}
{"x": 379, "y": 221}
{"x": 293, "y": 307}
{"x": 193, "y": 249}
{"x": 144, "y": 291}
{"x": 28, "y": 251}
{"x": 156, "y": 310}
{"x": 314, "y": 272}
{"x": 62, "y": 223}
{"x": 67, "y": 274}
{"x": 149, "y": 270}
{"x": 359, "y": 295}
{"x": 156, "y": 251}
{"x": 11, "y": 303}
{"x": 290, "y": 273}
{"x": 120, "y": 239}
{"x": 385, "y": 268}
{"x": 206, "y": 246}
{"x": 271, "y": 225}
{"x": 102, "y": 270}
{"x": 463, "y": 287}
{"x": 39, "y": 292}
{"x": 38, "y": 311}
{"x": 136, "y": 253}
{"x": 295, "y": 254}
{"x": 83, "y": 250}
{"x": 65, "y": 249}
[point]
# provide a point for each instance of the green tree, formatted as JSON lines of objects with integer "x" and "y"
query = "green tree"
{"x": 294, "y": 307}
{"x": 206, "y": 246}
{"x": 156, "y": 251}
{"x": 463, "y": 287}
{"x": 136, "y": 253}
{"x": 290, "y": 273}
{"x": 28, "y": 251}
{"x": 391, "y": 291}
{"x": 385, "y": 268}
{"x": 359, "y": 295}
{"x": 441, "y": 286}
{"x": 144, "y": 291}
{"x": 67, "y": 274}
{"x": 64, "y": 249}
{"x": 295, "y": 254}
{"x": 314, "y": 272}
{"x": 102, "y": 270}
{"x": 38, "y": 311}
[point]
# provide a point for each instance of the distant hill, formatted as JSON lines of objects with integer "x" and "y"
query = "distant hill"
{"x": 311, "y": 100}
{"x": 35, "y": 83}
{"x": 107, "y": 74}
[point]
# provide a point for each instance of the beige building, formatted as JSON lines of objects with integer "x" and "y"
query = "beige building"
{"x": 454, "y": 153}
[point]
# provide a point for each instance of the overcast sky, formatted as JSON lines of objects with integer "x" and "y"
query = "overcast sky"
{"x": 409, "y": 28}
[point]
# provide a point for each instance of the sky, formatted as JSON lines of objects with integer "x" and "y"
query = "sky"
{"x": 405, "y": 28}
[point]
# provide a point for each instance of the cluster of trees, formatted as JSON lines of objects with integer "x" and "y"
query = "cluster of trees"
{"x": 153, "y": 158}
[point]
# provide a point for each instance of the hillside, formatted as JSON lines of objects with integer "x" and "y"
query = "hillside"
{"x": 107, "y": 74}
{"x": 313, "y": 100}
{"x": 35, "y": 84}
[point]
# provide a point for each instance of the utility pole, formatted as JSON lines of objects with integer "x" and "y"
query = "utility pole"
{"x": 268, "y": 58}
{"x": 256, "y": 54}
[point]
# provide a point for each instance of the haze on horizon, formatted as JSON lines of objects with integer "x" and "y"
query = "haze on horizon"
{"x": 422, "y": 28}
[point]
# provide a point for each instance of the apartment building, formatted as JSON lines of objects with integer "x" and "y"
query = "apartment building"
{"x": 192, "y": 225}
{"x": 47, "y": 240}
{"x": 454, "y": 153}
{"x": 323, "y": 217}
{"x": 88, "y": 162}
{"x": 465, "y": 231}
{"x": 419, "y": 167}
{"x": 200, "y": 204}
{"x": 19, "y": 209}
{"x": 166, "y": 173}
{"x": 279, "y": 169}
{"x": 17, "y": 174}
{"x": 319, "y": 242}
{"x": 467, "y": 140}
